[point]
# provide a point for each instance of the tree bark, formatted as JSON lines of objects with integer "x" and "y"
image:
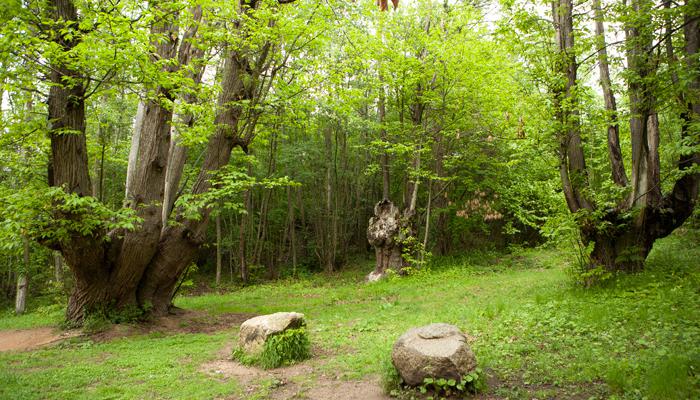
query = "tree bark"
{"x": 58, "y": 266}
{"x": 188, "y": 54}
{"x": 23, "y": 282}
{"x": 218, "y": 249}
{"x": 619, "y": 176}
{"x": 572, "y": 166}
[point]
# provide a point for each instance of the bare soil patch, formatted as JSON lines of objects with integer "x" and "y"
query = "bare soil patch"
{"x": 183, "y": 321}
{"x": 299, "y": 381}
{"x": 29, "y": 339}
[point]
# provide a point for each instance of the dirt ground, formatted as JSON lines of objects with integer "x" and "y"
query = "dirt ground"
{"x": 299, "y": 381}
{"x": 29, "y": 339}
{"x": 180, "y": 322}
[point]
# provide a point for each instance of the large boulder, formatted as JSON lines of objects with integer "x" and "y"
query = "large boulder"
{"x": 255, "y": 331}
{"x": 432, "y": 351}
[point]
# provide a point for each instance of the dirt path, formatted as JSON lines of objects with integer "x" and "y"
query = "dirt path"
{"x": 29, "y": 339}
{"x": 300, "y": 381}
{"x": 182, "y": 322}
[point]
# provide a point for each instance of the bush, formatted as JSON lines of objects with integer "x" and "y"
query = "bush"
{"x": 280, "y": 349}
{"x": 434, "y": 388}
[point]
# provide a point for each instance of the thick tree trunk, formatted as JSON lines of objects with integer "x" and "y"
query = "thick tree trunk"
{"x": 383, "y": 233}
{"x": 622, "y": 252}
{"x": 23, "y": 282}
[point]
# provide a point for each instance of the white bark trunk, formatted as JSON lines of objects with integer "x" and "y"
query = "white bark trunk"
{"x": 134, "y": 150}
{"x": 173, "y": 173}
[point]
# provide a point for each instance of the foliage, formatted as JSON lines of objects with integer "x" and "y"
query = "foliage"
{"x": 533, "y": 334}
{"x": 283, "y": 348}
{"x": 101, "y": 319}
{"x": 473, "y": 382}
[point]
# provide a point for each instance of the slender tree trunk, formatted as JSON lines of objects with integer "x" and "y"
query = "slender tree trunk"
{"x": 328, "y": 223}
{"x": 58, "y": 266}
{"x": 619, "y": 176}
{"x": 427, "y": 222}
{"x": 572, "y": 163}
{"x": 132, "y": 165}
{"x": 384, "y": 160}
{"x": 292, "y": 231}
{"x": 218, "y": 249}
{"x": 177, "y": 153}
{"x": 243, "y": 267}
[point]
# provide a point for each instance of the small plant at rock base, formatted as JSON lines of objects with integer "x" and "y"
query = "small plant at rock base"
{"x": 282, "y": 348}
{"x": 472, "y": 382}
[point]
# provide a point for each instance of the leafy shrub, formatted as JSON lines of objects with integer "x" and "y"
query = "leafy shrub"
{"x": 282, "y": 348}
{"x": 435, "y": 388}
{"x": 472, "y": 382}
{"x": 101, "y": 318}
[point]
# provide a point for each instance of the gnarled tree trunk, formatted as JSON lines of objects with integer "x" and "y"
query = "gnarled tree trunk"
{"x": 624, "y": 236}
{"x": 383, "y": 233}
{"x": 140, "y": 268}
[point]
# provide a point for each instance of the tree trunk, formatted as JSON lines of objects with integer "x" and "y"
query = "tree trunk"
{"x": 292, "y": 231}
{"x": 23, "y": 282}
{"x": 619, "y": 176}
{"x": 328, "y": 224}
{"x": 218, "y": 248}
{"x": 58, "y": 266}
{"x": 383, "y": 233}
{"x": 132, "y": 165}
{"x": 572, "y": 167}
{"x": 21, "y": 294}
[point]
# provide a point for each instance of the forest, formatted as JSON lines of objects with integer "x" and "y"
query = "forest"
{"x": 526, "y": 171}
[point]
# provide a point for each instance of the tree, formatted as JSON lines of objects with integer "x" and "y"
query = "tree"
{"x": 133, "y": 259}
{"x": 620, "y": 225}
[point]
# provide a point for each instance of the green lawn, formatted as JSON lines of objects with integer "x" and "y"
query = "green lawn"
{"x": 533, "y": 333}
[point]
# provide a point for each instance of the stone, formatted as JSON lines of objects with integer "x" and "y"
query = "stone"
{"x": 255, "y": 331}
{"x": 432, "y": 351}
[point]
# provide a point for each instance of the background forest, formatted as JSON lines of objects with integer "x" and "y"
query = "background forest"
{"x": 459, "y": 111}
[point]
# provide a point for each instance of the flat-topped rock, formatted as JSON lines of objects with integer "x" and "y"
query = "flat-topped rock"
{"x": 255, "y": 331}
{"x": 432, "y": 351}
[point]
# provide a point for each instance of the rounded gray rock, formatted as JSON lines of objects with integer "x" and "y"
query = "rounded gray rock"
{"x": 432, "y": 351}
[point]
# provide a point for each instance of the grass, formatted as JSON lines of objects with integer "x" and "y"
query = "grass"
{"x": 533, "y": 334}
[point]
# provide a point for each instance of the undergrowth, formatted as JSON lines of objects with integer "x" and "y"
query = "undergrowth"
{"x": 280, "y": 349}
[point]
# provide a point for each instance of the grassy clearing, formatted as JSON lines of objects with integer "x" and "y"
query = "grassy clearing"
{"x": 534, "y": 335}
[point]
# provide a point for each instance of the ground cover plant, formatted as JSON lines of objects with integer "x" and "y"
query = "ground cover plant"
{"x": 534, "y": 334}
{"x": 284, "y": 348}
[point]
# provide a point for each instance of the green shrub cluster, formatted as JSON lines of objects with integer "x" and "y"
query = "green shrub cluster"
{"x": 280, "y": 349}
{"x": 435, "y": 388}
